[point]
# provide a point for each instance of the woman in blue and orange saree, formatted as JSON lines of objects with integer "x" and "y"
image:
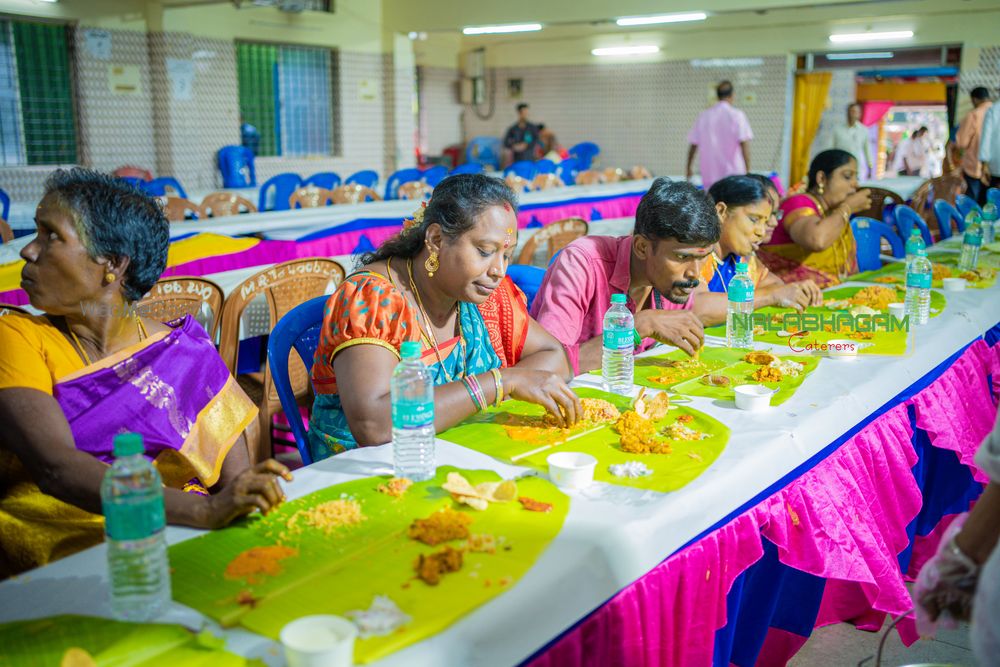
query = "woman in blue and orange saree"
{"x": 92, "y": 367}
{"x": 442, "y": 281}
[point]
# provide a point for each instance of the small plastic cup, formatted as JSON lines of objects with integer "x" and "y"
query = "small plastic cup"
{"x": 953, "y": 284}
{"x": 571, "y": 470}
{"x": 319, "y": 641}
{"x": 897, "y": 310}
{"x": 753, "y": 397}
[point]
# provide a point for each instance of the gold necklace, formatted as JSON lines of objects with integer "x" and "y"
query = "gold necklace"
{"x": 86, "y": 357}
{"x": 427, "y": 325}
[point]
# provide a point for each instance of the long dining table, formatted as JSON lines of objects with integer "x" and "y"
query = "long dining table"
{"x": 828, "y": 485}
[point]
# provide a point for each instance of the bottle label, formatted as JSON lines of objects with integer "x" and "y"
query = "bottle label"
{"x": 918, "y": 280}
{"x": 972, "y": 239}
{"x": 410, "y": 414}
{"x": 126, "y": 520}
{"x": 741, "y": 292}
{"x": 619, "y": 339}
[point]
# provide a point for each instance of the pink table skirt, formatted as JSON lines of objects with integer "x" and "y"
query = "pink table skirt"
{"x": 844, "y": 520}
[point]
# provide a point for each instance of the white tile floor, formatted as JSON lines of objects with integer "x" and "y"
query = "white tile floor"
{"x": 851, "y": 646}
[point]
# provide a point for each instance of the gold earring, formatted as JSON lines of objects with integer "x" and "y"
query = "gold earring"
{"x": 110, "y": 277}
{"x": 432, "y": 264}
{"x": 821, "y": 188}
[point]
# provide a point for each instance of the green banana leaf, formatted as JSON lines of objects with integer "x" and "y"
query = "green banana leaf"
{"x": 345, "y": 570}
{"x": 897, "y": 270}
{"x": 687, "y": 460}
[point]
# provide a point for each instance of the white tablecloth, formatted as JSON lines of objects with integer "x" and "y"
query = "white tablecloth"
{"x": 612, "y": 535}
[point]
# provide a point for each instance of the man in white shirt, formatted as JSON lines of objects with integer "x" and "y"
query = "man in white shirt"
{"x": 989, "y": 145}
{"x": 912, "y": 154}
{"x": 853, "y": 137}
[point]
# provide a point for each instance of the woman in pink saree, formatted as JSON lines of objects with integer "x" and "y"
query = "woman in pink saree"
{"x": 92, "y": 368}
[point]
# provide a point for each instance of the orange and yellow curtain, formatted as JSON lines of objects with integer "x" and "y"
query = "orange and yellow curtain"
{"x": 811, "y": 90}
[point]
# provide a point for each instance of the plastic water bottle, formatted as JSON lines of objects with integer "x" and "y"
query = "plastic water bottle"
{"x": 412, "y": 393}
{"x": 134, "y": 522}
{"x": 917, "y": 304}
{"x": 914, "y": 243}
{"x": 617, "y": 363}
{"x": 739, "y": 314}
{"x": 990, "y": 223}
{"x": 971, "y": 241}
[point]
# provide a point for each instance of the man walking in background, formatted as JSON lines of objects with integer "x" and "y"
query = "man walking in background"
{"x": 522, "y": 137}
{"x": 853, "y": 137}
{"x": 967, "y": 144}
{"x": 989, "y": 146}
{"x": 722, "y": 134}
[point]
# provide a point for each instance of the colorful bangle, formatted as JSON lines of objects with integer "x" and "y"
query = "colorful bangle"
{"x": 498, "y": 379}
{"x": 636, "y": 338}
{"x": 472, "y": 384}
{"x": 472, "y": 395}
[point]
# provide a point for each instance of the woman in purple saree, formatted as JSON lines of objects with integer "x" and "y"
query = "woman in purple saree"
{"x": 93, "y": 367}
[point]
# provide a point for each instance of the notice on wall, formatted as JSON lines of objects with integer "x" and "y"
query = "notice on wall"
{"x": 124, "y": 79}
{"x": 367, "y": 90}
{"x": 180, "y": 72}
{"x": 97, "y": 43}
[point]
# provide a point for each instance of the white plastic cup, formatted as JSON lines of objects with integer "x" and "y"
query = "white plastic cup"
{"x": 897, "y": 311}
{"x": 571, "y": 470}
{"x": 953, "y": 284}
{"x": 753, "y": 397}
{"x": 319, "y": 641}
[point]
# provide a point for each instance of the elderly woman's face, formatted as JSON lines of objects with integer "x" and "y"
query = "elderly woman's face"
{"x": 58, "y": 274}
{"x": 473, "y": 264}
{"x": 744, "y": 228}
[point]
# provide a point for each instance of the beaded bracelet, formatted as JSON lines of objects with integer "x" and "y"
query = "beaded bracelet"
{"x": 498, "y": 379}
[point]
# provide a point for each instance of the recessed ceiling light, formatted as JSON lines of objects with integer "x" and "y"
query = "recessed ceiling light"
{"x": 870, "y": 55}
{"x": 662, "y": 18}
{"x": 625, "y": 50}
{"x": 498, "y": 29}
{"x": 870, "y": 36}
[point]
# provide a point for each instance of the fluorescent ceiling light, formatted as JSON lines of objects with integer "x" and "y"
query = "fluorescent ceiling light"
{"x": 870, "y": 36}
{"x": 728, "y": 62}
{"x": 663, "y": 18}
{"x": 871, "y": 55}
{"x": 625, "y": 50}
{"x": 497, "y": 29}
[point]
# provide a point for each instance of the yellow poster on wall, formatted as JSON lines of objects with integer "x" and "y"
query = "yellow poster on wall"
{"x": 124, "y": 79}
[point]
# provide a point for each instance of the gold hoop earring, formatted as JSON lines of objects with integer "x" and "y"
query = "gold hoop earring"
{"x": 110, "y": 277}
{"x": 432, "y": 264}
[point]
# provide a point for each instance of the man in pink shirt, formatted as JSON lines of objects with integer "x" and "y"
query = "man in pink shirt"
{"x": 658, "y": 266}
{"x": 722, "y": 133}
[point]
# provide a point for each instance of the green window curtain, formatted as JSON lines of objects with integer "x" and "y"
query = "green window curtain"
{"x": 45, "y": 80}
{"x": 256, "y": 66}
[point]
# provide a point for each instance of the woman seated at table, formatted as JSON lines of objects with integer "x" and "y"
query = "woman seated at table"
{"x": 744, "y": 209}
{"x": 814, "y": 239}
{"x": 441, "y": 282}
{"x": 92, "y": 368}
{"x": 774, "y": 197}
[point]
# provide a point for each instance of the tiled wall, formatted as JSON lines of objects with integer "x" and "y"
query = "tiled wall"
{"x": 440, "y": 110}
{"x": 842, "y": 92}
{"x": 985, "y": 72}
{"x": 641, "y": 113}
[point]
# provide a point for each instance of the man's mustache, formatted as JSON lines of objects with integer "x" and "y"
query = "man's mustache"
{"x": 687, "y": 284}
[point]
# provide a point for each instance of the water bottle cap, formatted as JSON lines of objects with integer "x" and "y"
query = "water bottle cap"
{"x": 128, "y": 444}
{"x": 619, "y": 298}
{"x": 742, "y": 267}
{"x": 973, "y": 218}
{"x": 410, "y": 350}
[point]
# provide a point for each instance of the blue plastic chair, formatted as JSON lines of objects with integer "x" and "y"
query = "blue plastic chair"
{"x": 523, "y": 168}
{"x": 283, "y": 185}
{"x": 435, "y": 175}
{"x": 544, "y": 166}
{"x": 299, "y": 328}
{"x": 868, "y": 235}
{"x": 365, "y": 177}
{"x": 966, "y": 205}
{"x": 485, "y": 151}
{"x": 158, "y": 187}
{"x": 567, "y": 170}
{"x": 528, "y": 278}
{"x": 134, "y": 181}
{"x": 585, "y": 153}
{"x": 398, "y": 178}
{"x": 323, "y": 179}
{"x": 906, "y": 218}
{"x": 993, "y": 196}
{"x": 237, "y": 167}
{"x": 468, "y": 168}
{"x": 945, "y": 213}
{"x": 4, "y": 204}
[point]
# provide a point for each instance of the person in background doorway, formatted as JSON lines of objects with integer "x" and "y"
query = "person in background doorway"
{"x": 912, "y": 154}
{"x": 853, "y": 137}
{"x": 722, "y": 134}
{"x": 522, "y": 137}
{"x": 989, "y": 147}
{"x": 967, "y": 144}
